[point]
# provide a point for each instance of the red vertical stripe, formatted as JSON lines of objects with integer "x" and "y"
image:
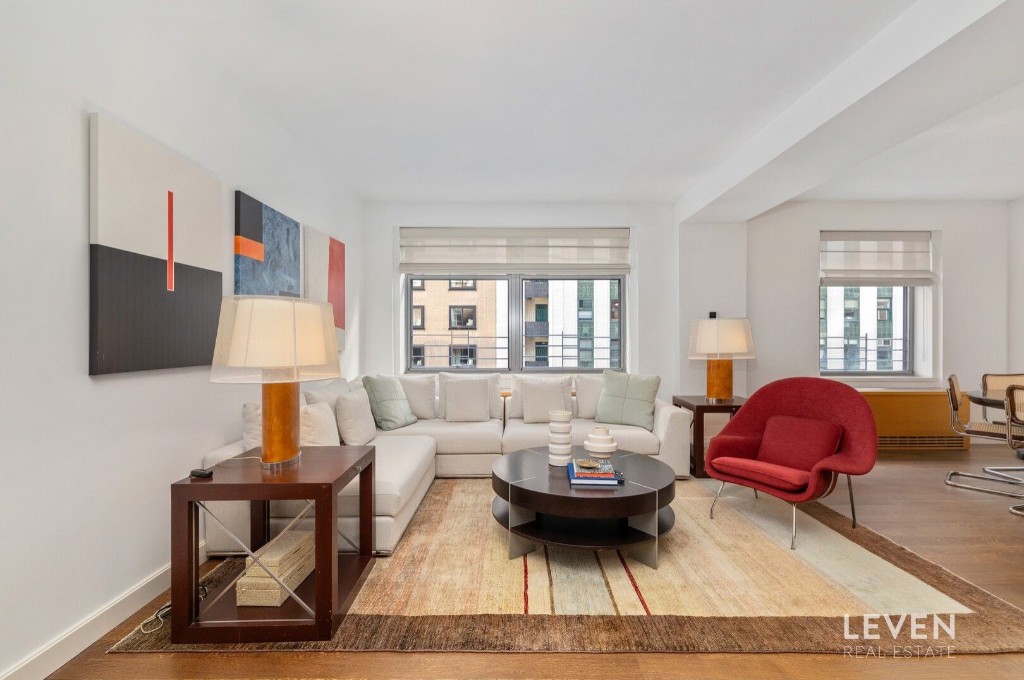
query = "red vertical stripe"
{"x": 526, "y": 587}
{"x": 336, "y": 281}
{"x": 170, "y": 240}
{"x": 632, "y": 580}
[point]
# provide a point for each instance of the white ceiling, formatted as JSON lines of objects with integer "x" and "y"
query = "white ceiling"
{"x": 726, "y": 108}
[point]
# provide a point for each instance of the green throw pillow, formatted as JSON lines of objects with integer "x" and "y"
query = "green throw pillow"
{"x": 628, "y": 399}
{"x": 391, "y": 409}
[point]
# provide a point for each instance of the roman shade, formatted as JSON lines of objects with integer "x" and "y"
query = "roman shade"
{"x": 471, "y": 250}
{"x": 876, "y": 258}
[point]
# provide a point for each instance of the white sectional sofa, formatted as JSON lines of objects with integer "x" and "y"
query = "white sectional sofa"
{"x": 410, "y": 457}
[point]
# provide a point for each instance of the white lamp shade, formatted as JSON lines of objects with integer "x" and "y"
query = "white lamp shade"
{"x": 274, "y": 340}
{"x": 721, "y": 339}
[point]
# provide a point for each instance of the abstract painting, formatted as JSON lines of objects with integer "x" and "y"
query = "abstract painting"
{"x": 325, "y": 274}
{"x": 266, "y": 249}
{"x": 155, "y": 254}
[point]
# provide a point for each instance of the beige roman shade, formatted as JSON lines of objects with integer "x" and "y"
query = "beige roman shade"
{"x": 471, "y": 250}
{"x": 876, "y": 258}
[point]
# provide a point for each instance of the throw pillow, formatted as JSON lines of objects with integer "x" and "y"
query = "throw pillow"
{"x": 493, "y": 395}
{"x": 628, "y": 399}
{"x": 420, "y": 390}
{"x": 466, "y": 401}
{"x": 588, "y": 393}
{"x": 516, "y": 402}
{"x": 388, "y": 403}
{"x": 327, "y": 393}
{"x": 316, "y": 426}
{"x": 355, "y": 418}
{"x": 798, "y": 442}
{"x": 541, "y": 397}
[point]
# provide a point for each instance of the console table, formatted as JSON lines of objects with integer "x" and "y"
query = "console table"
{"x": 699, "y": 406}
{"x": 325, "y": 595}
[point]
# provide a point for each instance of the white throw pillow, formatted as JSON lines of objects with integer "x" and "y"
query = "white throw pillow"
{"x": 327, "y": 393}
{"x": 563, "y": 385}
{"x": 493, "y": 395}
{"x": 316, "y": 426}
{"x": 355, "y": 418}
{"x": 420, "y": 391}
{"x": 540, "y": 398}
{"x": 466, "y": 401}
{"x": 588, "y": 393}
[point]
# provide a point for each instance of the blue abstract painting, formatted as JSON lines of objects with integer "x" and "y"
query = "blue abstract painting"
{"x": 266, "y": 249}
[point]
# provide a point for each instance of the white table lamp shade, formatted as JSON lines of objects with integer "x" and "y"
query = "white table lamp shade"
{"x": 721, "y": 339}
{"x": 274, "y": 340}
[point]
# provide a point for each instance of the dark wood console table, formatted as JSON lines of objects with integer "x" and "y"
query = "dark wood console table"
{"x": 699, "y": 406}
{"x": 326, "y": 594}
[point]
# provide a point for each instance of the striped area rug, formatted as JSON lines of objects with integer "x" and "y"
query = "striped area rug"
{"x": 725, "y": 585}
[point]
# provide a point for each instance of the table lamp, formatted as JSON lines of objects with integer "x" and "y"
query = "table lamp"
{"x": 275, "y": 341}
{"x": 719, "y": 341}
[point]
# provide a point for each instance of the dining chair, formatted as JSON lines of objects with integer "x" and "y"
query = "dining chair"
{"x": 972, "y": 428}
{"x": 998, "y": 382}
{"x": 1013, "y": 434}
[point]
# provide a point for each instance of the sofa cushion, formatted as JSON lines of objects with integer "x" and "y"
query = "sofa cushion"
{"x": 420, "y": 390}
{"x": 483, "y": 437}
{"x": 388, "y": 403}
{"x": 798, "y": 442}
{"x": 355, "y": 419}
{"x": 494, "y": 400}
{"x": 628, "y": 399}
{"x": 466, "y": 401}
{"x": 772, "y": 475}
{"x": 515, "y": 403}
{"x": 521, "y": 435}
{"x": 588, "y": 393}
{"x": 316, "y": 426}
{"x": 401, "y": 463}
{"x": 541, "y": 397}
{"x": 327, "y": 393}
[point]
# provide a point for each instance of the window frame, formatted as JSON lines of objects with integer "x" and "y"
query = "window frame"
{"x": 451, "y": 285}
{"x": 463, "y": 308}
{"x": 422, "y": 355}
{"x": 516, "y": 321}
{"x": 462, "y": 367}
{"x": 413, "y": 285}
{"x": 423, "y": 317}
{"x": 909, "y": 337}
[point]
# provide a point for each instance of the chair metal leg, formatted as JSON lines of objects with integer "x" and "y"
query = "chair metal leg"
{"x": 792, "y": 541}
{"x": 853, "y": 508}
{"x": 1017, "y": 510}
{"x": 716, "y": 500}
{"x": 756, "y": 497}
{"x": 996, "y": 475}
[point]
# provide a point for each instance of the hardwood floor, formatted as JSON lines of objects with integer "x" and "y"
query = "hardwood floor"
{"x": 970, "y": 534}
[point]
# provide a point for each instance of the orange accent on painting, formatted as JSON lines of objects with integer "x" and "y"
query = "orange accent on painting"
{"x": 246, "y": 247}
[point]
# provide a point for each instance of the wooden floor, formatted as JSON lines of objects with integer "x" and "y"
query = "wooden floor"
{"x": 904, "y": 498}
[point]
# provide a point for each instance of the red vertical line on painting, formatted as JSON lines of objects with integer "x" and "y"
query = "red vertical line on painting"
{"x": 170, "y": 240}
{"x": 632, "y": 580}
{"x": 526, "y": 586}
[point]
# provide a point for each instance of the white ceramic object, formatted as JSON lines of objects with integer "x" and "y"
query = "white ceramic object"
{"x": 600, "y": 431}
{"x": 560, "y": 449}
{"x": 560, "y": 416}
{"x": 560, "y": 439}
{"x": 559, "y": 460}
{"x": 600, "y": 445}
{"x": 560, "y": 428}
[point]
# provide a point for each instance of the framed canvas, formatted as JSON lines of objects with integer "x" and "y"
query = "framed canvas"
{"x": 266, "y": 249}
{"x": 324, "y": 280}
{"x": 155, "y": 253}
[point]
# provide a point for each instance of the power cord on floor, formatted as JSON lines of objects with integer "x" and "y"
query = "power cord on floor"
{"x": 162, "y": 614}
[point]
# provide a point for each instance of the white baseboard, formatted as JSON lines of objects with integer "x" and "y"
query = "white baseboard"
{"x": 64, "y": 647}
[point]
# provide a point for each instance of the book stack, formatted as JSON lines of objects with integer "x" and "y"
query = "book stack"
{"x": 291, "y": 557}
{"x": 584, "y": 472}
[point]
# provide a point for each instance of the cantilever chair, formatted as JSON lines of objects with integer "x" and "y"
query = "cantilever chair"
{"x": 991, "y": 382}
{"x": 792, "y": 439}
{"x": 1012, "y": 432}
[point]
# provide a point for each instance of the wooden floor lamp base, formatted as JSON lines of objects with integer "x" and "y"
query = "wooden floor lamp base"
{"x": 719, "y": 387}
{"x": 280, "y": 424}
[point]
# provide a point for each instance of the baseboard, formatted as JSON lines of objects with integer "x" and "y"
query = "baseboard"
{"x": 58, "y": 651}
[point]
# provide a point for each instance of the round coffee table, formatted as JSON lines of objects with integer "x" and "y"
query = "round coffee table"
{"x": 537, "y": 505}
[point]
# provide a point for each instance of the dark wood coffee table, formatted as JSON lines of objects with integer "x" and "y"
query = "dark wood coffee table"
{"x": 536, "y": 503}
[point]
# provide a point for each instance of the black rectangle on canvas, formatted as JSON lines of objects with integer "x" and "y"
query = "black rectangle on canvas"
{"x": 136, "y": 324}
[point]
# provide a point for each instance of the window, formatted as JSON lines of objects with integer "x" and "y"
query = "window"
{"x": 872, "y": 284}
{"x": 463, "y": 356}
{"x": 417, "y": 356}
{"x": 461, "y": 316}
{"x": 538, "y": 299}
{"x": 417, "y": 317}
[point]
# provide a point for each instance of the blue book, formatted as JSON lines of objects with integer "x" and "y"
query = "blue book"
{"x": 592, "y": 481}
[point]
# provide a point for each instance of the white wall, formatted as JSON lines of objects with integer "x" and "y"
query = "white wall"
{"x": 1015, "y": 285}
{"x": 653, "y": 343}
{"x": 88, "y": 461}
{"x": 782, "y": 282}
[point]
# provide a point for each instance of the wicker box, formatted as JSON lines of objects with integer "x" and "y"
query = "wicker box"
{"x": 291, "y": 558}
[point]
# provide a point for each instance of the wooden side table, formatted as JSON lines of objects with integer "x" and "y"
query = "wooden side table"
{"x": 326, "y": 594}
{"x": 699, "y": 406}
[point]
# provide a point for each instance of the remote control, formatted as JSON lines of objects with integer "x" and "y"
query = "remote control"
{"x": 200, "y": 473}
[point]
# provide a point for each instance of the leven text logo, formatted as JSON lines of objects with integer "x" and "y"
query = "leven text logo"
{"x": 932, "y": 628}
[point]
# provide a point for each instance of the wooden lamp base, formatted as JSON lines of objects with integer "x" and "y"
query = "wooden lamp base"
{"x": 280, "y": 425}
{"x": 719, "y": 387}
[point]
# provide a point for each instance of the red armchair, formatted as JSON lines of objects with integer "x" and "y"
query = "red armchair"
{"x": 792, "y": 438}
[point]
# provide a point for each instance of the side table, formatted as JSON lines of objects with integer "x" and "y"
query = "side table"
{"x": 699, "y": 406}
{"x": 323, "y": 597}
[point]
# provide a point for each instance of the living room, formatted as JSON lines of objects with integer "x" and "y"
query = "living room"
{"x": 726, "y": 137}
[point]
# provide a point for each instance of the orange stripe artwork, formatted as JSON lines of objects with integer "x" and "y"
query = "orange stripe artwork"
{"x": 248, "y": 248}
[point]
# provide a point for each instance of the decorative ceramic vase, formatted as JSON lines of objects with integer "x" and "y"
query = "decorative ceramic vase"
{"x": 559, "y": 438}
{"x": 600, "y": 443}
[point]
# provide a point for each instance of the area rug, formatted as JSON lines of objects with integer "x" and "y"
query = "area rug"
{"x": 730, "y": 584}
